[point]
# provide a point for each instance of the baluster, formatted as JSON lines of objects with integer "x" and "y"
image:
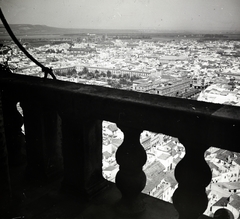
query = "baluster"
{"x": 130, "y": 178}
{"x": 43, "y": 140}
{"x": 223, "y": 213}
{"x": 82, "y": 156}
{"x": 193, "y": 175}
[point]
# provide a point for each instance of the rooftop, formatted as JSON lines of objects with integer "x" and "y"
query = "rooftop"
{"x": 234, "y": 201}
{"x": 164, "y": 156}
{"x": 222, "y": 202}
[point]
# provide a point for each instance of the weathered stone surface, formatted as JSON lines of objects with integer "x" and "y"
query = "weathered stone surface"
{"x": 198, "y": 125}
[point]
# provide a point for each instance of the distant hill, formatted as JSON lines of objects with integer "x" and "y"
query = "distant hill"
{"x": 28, "y": 29}
{"x": 43, "y": 31}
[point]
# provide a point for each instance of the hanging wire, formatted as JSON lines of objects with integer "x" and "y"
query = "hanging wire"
{"x": 46, "y": 70}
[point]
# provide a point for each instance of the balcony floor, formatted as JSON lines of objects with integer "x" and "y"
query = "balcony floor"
{"x": 37, "y": 199}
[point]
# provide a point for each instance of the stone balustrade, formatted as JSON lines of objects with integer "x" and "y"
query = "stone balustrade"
{"x": 63, "y": 130}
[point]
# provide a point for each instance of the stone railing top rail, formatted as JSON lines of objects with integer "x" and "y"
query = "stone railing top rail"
{"x": 215, "y": 124}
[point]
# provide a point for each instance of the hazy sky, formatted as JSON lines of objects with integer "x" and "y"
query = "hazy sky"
{"x": 190, "y": 15}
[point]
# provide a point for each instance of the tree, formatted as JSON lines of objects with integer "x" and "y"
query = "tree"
{"x": 129, "y": 83}
{"x": 114, "y": 84}
{"x": 126, "y": 76}
{"x": 117, "y": 85}
{"x": 50, "y": 51}
{"x": 232, "y": 84}
{"x": 123, "y": 81}
{"x": 80, "y": 73}
{"x": 134, "y": 77}
{"x": 85, "y": 70}
{"x": 103, "y": 74}
{"x": 72, "y": 71}
{"x": 109, "y": 74}
{"x": 90, "y": 75}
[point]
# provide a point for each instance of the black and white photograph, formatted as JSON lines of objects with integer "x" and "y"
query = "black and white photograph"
{"x": 119, "y": 109}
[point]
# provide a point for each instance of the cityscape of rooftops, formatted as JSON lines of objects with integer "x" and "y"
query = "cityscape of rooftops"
{"x": 184, "y": 49}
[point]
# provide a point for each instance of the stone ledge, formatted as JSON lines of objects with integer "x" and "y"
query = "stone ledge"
{"x": 104, "y": 206}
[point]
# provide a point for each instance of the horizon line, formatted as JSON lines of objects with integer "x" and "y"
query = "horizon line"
{"x": 135, "y": 29}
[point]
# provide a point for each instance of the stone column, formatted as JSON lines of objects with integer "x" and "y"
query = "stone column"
{"x": 130, "y": 178}
{"x": 82, "y": 155}
{"x": 193, "y": 175}
{"x": 43, "y": 140}
{"x": 223, "y": 213}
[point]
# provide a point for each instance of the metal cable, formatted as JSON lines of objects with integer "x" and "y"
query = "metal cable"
{"x": 46, "y": 70}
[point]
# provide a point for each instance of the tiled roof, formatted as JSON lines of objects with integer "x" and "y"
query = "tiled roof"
{"x": 164, "y": 156}
{"x": 155, "y": 167}
{"x": 212, "y": 165}
{"x": 235, "y": 201}
{"x": 106, "y": 154}
{"x": 229, "y": 185}
{"x": 237, "y": 160}
{"x": 116, "y": 141}
{"x": 221, "y": 202}
{"x": 177, "y": 160}
{"x": 171, "y": 179}
{"x": 155, "y": 174}
{"x": 223, "y": 155}
{"x": 112, "y": 127}
{"x": 110, "y": 168}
